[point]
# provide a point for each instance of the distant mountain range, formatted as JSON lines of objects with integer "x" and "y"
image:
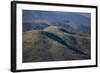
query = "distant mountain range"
{"x": 75, "y": 22}
{"x": 55, "y": 36}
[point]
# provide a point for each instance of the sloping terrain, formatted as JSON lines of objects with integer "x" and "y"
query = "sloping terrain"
{"x": 56, "y": 36}
{"x": 53, "y": 44}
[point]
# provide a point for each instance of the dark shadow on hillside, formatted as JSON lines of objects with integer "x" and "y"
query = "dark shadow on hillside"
{"x": 61, "y": 41}
{"x": 65, "y": 31}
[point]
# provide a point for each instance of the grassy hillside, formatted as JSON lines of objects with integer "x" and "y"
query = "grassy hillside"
{"x": 80, "y": 42}
{"x": 52, "y": 44}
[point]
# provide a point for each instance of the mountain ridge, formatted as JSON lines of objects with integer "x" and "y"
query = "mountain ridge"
{"x": 35, "y": 36}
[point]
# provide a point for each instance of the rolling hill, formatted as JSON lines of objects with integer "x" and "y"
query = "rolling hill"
{"x": 56, "y": 36}
{"x": 54, "y": 44}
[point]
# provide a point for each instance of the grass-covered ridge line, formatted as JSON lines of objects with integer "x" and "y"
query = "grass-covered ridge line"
{"x": 52, "y": 44}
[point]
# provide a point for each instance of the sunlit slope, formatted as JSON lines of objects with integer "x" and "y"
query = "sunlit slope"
{"x": 80, "y": 41}
{"x": 54, "y": 44}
